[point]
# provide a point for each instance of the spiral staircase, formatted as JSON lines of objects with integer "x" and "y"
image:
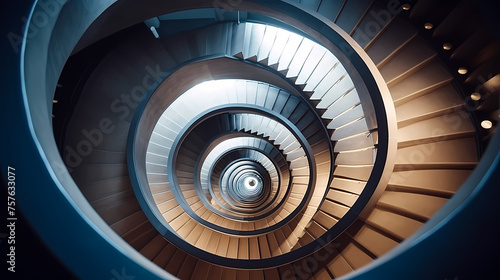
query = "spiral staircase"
{"x": 255, "y": 140}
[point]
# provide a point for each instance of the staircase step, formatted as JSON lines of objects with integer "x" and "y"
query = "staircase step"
{"x": 257, "y": 35}
{"x": 331, "y": 79}
{"x": 252, "y": 58}
{"x": 349, "y": 130}
{"x": 154, "y": 247}
{"x": 391, "y": 39}
{"x": 360, "y": 157}
{"x": 267, "y": 43}
{"x": 412, "y": 205}
{"x": 450, "y": 126}
{"x": 264, "y": 61}
{"x": 444, "y": 98}
{"x": 443, "y": 152}
{"x": 187, "y": 267}
{"x": 427, "y": 79}
{"x": 239, "y": 56}
{"x": 282, "y": 37}
{"x": 291, "y": 48}
{"x": 373, "y": 240}
{"x": 412, "y": 57}
{"x": 314, "y": 58}
{"x": 351, "y": 13}
{"x": 343, "y": 104}
{"x": 88, "y": 173}
{"x": 345, "y": 117}
{"x": 330, "y": 8}
{"x": 328, "y": 63}
{"x": 373, "y": 22}
{"x": 337, "y": 90}
{"x": 361, "y": 173}
{"x": 392, "y": 223}
{"x": 410, "y": 181}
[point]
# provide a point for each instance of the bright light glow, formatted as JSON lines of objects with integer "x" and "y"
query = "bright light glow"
{"x": 267, "y": 42}
{"x": 475, "y": 96}
{"x": 428, "y": 25}
{"x": 290, "y": 49}
{"x": 230, "y": 144}
{"x": 462, "y": 70}
{"x": 153, "y": 29}
{"x": 486, "y": 124}
{"x": 300, "y": 57}
{"x": 279, "y": 44}
{"x": 447, "y": 46}
{"x": 251, "y": 183}
{"x": 406, "y": 6}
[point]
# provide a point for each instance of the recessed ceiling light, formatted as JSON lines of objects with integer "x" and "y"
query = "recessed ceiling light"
{"x": 406, "y": 6}
{"x": 250, "y": 183}
{"x": 447, "y": 46}
{"x": 428, "y": 25}
{"x": 155, "y": 32}
{"x": 475, "y": 96}
{"x": 462, "y": 70}
{"x": 55, "y": 101}
{"x": 486, "y": 124}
